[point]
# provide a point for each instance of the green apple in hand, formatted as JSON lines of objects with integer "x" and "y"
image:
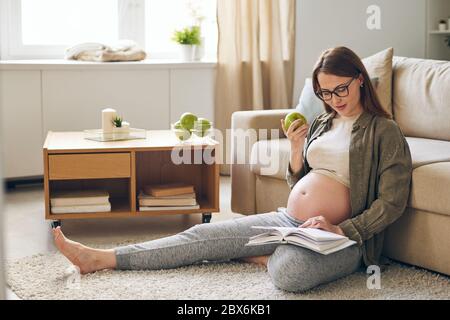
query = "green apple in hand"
{"x": 291, "y": 117}
{"x": 187, "y": 120}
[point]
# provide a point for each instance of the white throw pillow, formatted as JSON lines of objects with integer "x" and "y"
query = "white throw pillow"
{"x": 379, "y": 66}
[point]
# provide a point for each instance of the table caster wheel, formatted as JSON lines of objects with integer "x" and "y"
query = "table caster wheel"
{"x": 206, "y": 217}
{"x": 56, "y": 223}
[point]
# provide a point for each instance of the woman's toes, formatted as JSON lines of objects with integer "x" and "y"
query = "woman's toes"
{"x": 56, "y": 232}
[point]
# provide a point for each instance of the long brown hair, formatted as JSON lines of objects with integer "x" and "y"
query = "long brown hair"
{"x": 343, "y": 62}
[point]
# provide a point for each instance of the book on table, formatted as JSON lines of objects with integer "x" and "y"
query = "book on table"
{"x": 317, "y": 240}
{"x": 168, "y": 189}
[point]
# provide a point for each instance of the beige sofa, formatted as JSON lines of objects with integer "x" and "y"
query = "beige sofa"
{"x": 421, "y": 107}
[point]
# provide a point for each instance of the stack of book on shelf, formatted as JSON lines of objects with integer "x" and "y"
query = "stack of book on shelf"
{"x": 170, "y": 196}
{"x": 80, "y": 201}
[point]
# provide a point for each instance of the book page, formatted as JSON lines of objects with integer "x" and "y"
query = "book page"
{"x": 313, "y": 234}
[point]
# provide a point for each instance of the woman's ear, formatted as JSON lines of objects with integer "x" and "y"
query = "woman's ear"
{"x": 361, "y": 80}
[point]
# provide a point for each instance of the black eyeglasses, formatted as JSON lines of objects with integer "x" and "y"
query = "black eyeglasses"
{"x": 341, "y": 91}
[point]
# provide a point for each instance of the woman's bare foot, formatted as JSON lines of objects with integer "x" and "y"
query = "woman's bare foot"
{"x": 258, "y": 260}
{"x": 86, "y": 259}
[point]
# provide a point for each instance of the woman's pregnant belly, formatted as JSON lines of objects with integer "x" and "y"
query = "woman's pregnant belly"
{"x": 319, "y": 195}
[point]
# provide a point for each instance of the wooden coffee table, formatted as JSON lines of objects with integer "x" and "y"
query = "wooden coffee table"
{"x": 72, "y": 162}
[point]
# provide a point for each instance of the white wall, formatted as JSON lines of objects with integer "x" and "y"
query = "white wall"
{"x": 37, "y": 97}
{"x": 322, "y": 24}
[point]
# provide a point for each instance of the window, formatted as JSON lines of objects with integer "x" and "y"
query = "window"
{"x": 72, "y": 21}
{"x": 45, "y": 28}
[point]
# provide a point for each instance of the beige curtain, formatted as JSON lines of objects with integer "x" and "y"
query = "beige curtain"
{"x": 255, "y": 58}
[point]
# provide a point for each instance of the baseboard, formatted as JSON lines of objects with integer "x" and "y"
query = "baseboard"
{"x": 13, "y": 183}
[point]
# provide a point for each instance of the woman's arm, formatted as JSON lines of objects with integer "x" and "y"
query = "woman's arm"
{"x": 298, "y": 139}
{"x": 395, "y": 173}
{"x": 296, "y": 160}
{"x": 295, "y": 167}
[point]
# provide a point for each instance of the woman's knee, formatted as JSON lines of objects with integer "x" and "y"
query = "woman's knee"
{"x": 290, "y": 270}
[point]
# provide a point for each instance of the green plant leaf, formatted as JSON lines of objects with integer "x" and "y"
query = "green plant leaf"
{"x": 188, "y": 35}
{"x": 117, "y": 122}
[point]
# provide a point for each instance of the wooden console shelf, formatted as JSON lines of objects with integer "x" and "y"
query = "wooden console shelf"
{"x": 124, "y": 167}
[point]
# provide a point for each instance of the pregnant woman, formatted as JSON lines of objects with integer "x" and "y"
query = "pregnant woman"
{"x": 350, "y": 174}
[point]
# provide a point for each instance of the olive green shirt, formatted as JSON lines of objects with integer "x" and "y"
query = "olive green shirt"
{"x": 380, "y": 178}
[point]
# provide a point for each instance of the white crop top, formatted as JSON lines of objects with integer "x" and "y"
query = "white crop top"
{"x": 329, "y": 153}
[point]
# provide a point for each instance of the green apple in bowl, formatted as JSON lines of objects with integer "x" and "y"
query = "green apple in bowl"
{"x": 188, "y": 120}
{"x": 181, "y": 133}
{"x": 202, "y": 127}
{"x": 291, "y": 117}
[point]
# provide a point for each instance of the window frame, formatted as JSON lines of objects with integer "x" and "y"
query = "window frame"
{"x": 131, "y": 26}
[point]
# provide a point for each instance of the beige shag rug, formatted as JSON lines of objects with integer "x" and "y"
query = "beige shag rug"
{"x": 46, "y": 276}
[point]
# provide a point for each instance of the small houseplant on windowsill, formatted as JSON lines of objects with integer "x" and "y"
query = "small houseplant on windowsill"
{"x": 188, "y": 40}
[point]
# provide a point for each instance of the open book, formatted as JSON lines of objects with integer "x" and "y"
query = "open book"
{"x": 320, "y": 241}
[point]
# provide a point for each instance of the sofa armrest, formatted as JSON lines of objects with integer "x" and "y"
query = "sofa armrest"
{"x": 243, "y": 180}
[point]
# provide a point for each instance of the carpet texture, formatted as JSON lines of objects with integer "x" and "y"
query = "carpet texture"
{"x": 46, "y": 276}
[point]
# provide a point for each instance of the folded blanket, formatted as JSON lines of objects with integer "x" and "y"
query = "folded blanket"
{"x": 124, "y": 50}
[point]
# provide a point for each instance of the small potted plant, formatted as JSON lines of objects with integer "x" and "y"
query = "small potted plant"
{"x": 189, "y": 39}
{"x": 121, "y": 128}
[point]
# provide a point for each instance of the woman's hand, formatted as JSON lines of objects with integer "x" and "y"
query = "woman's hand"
{"x": 296, "y": 133}
{"x": 321, "y": 222}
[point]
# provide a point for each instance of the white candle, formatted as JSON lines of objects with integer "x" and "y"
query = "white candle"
{"x": 107, "y": 120}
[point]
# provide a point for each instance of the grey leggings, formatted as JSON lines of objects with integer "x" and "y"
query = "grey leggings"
{"x": 291, "y": 268}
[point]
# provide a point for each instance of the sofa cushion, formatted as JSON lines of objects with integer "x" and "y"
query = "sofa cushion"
{"x": 429, "y": 188}
{"x": 379, "y": 66}
{"x": 426, "y": 151}
{"x": 270, "y": 158}
{"x": 421, "y": 95}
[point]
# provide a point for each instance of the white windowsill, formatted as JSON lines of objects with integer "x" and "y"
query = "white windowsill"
{"x": 58, "y": 64}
